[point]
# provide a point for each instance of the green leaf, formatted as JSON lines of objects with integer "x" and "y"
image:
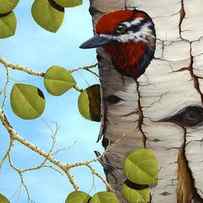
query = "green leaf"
{"x": 141, "y": 167}
{"x": 7, "y": 25}
{"x": 89, "y": 103}
{"x": 27, "y": 101}
{"x": 3, "y": 199}
{"x": 7, "y": 5}
{"x": 77, "y": 196}
{"x": 104, "y": 197}
{"x": 68, "y": 3}
{"x": 58, "y": 80}
{"x": 48, "y": 14}
{"x": 136, "y": 196}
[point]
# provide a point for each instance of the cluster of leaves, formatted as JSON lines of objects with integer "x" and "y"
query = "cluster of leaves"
{"x": 141, "y": 170}
{"x": 28, "y": 101}
{"x": 49, "y": 14}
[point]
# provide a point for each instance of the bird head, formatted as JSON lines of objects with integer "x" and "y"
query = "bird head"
{"x": 127, "y": 35}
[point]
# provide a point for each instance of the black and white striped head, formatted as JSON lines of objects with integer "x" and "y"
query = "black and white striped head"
{"x": 123, "y": 26}
{"x": 139, "y": 29}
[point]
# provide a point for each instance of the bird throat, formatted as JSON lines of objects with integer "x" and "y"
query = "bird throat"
{"x": 130, "y": 59}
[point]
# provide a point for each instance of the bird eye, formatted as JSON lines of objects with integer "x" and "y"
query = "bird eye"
{"x": 188, "y": 117}
{"x": 121, "y": 29}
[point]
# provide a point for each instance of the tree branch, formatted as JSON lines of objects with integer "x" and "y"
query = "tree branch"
{"x": 27, "y": 70}
{"x": 64, "y": 167}
{"x": 30, "y": 71}
{"x": 15, "y": 136}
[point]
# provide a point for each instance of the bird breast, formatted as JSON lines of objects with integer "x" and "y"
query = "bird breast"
{"x": 127, "y": 57}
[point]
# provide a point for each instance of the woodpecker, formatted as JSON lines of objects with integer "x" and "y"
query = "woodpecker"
{"x": 129, "y": 37}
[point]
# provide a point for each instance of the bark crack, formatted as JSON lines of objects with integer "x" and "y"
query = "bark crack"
{"x": 186, "y": 190}
{"x": 141, "y": 115}
{"x": 182, "y": 16}
{"x": 190, "y": 67}
{"x": 194, "y": 77}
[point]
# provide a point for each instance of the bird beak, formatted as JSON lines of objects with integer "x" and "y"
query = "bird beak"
{"x": 96, "y": 41}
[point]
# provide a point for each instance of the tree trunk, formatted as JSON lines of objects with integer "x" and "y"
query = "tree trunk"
{"x": 163, "y": 109}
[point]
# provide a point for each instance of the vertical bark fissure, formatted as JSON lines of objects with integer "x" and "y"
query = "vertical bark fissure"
{"x": 186, "y": 191}
{"x": 182, "y": 16}
{"x": 194, "y": 77}
{"x": 190, "y": 67}
{"x": 141, "y": 115}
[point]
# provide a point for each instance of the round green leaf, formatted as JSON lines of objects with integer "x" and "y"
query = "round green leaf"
{"x": 141, "y": 167}
{"x": 89, "y": 103}
{"x": 58, "y": 80}
{"x": 7, "y": 25}
{"x": 77, "y": 196}
{"x": 68, "y": 3}
{"x": 7, "y": 5}
{"x": 27, "y": 101}
{"x": 135, "y": 196}
{"x": 104, "y": 197}
{"x": 3, "y": 199}
{"x": 48, "y": 14}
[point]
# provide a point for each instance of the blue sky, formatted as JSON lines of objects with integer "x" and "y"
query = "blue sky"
{"x": 32, "y": 46}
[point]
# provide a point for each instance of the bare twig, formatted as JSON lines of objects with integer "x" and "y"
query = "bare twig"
{"x": 94, "y": 172}
{"x": 4, "y": 90}
{"x": 87, "y": 68}
{"x": 6, "y": 153}
{"x": 27, "y": 70}
{"x": 42, "y": 164}
{"x": 23, "y": 184}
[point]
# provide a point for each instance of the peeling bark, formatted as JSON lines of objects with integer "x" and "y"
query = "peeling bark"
{"x": 137, "y": 113}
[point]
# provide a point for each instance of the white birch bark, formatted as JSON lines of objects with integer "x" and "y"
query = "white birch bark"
{"x": 172, "y": 81}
